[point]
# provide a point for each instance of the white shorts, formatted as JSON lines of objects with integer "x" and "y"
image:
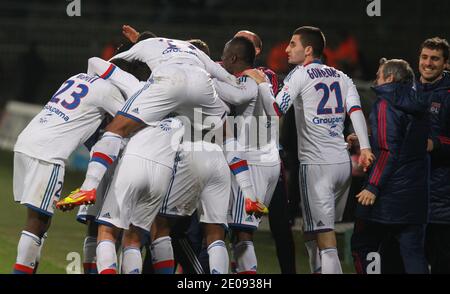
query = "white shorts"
{"x": 90, "y": 212}
{"x": 264, "y": 180}
{"x": 37, "y": 184}
{"x": 135, "y": 194}
{"x": 199, "y": 175}
{"x": 175, "y": 87}
{"x": 324, "y": 190}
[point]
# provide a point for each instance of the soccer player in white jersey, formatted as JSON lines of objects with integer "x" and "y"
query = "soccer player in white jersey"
{"x": 135, "y": 195}
{"x": 256, "y": 138}
{"x": 252, "y": 205}
{"x": 179, "y": 81}
{"x": 239, "y": 54}
{"x": 322, "y": 96}
{"x": 201, "y": 180}
{"x": 70, "y": 117}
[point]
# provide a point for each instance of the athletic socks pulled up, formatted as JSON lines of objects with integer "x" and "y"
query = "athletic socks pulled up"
{"x": 218, "y": 257}
{"x": 162, "y": 254}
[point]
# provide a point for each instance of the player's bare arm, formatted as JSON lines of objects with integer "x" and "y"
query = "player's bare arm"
{"x": 130, "y": 33}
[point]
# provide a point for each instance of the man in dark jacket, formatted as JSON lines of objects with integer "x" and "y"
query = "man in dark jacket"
{"x": 394, "y": 203}
{"x": 434, "y": 85}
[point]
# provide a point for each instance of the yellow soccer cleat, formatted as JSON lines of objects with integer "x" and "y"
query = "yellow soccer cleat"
{"x": 255, "y": 207}
{"x": 77, "y": 198}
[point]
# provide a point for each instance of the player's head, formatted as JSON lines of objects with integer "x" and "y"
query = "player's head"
{"x": 434, "y": 54}
{"x": 238, "y": 54}
{"x": 307, "y": 43}
{"x": 394, "y": 71}
{"x": 137, "y": 68}
{"x": 127, "y": 45}
{"x": 200, "y": 45}
{"x": 254, "y": 38}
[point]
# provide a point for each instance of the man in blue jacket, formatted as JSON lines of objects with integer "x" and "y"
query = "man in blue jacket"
{"x": 434, "y": 85}
{"x": 394, "y": 203}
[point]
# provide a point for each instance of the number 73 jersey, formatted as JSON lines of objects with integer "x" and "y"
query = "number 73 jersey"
{"x": 71, "y": 116}
{"x": 321, "y": 96}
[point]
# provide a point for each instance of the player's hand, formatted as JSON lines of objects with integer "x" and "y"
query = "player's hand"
{"x": 366, "y": 158}
{"x": 258, "y": 75}
{"x": 352, "y": 140}
{"x": 430, "y": 145}
{"x": 366, "y": 198}
{"x": 130, "y": 33}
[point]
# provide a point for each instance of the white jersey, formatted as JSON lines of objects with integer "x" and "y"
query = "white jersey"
{"x": 71, "y": 116}
{"x": 256, "y": 132}
{"x": 158, "y": 143}
{"x": 196, "y": 111}
{"x": 321, "y": 96}
{"x": 161, "y": 51}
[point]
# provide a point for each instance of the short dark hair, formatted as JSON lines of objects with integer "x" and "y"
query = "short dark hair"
{"x": 128, "y": 44}
{"x": 200, "y": 45}
{"x": 244, "y": 49}
{"x": 145, "y": 35}
{"x": 312, "y": 36}
{"x": 135, "y": 67}
{"x": 399, "y": 69}
{"x": 437, "y": 43}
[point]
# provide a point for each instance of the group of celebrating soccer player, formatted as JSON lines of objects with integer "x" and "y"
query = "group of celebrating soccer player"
{"x": 174, "y": 135}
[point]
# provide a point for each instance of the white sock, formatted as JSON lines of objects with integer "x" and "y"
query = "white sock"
{"x": 244, "y": 252}
{"x": 218, "y": 257}
{"x": 27, "y": 253}
{"x": 131, "y": 260}
{"x": 38, "y": 257}
{"x": 239, "y": 167}
{"x": 106, "y": 257}
{"x": 89, "y": 255}
{"x": 330, "y": 261}
{"x": 162, "y": 256}
{"x": 104, "y": 152}
{"x": 315, "y": 264}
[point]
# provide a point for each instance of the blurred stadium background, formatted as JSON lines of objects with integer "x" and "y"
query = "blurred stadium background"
{"x": 40, "y": 46}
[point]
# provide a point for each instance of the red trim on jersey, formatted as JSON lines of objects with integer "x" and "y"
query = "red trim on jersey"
{"x": 382, "y": 125}
{"x": 353, "y": 109}
{"x": 108, "y": 71}
{"x": 444, "y": 140}
{"x": 103, "y": 156}
{"x": 23, "y": 268}
{"x": 164, "y": 264}
{"x": 382, "y": 141}
{"x": 240, "y": 163}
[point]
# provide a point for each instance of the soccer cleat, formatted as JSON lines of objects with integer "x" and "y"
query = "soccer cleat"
{"x": 255, "y": 207}
{"x": 77, "y": 198}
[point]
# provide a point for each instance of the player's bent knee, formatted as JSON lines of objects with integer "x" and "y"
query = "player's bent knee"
{"x": 132, "y": 237}
{"x": 213, "y": 232}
